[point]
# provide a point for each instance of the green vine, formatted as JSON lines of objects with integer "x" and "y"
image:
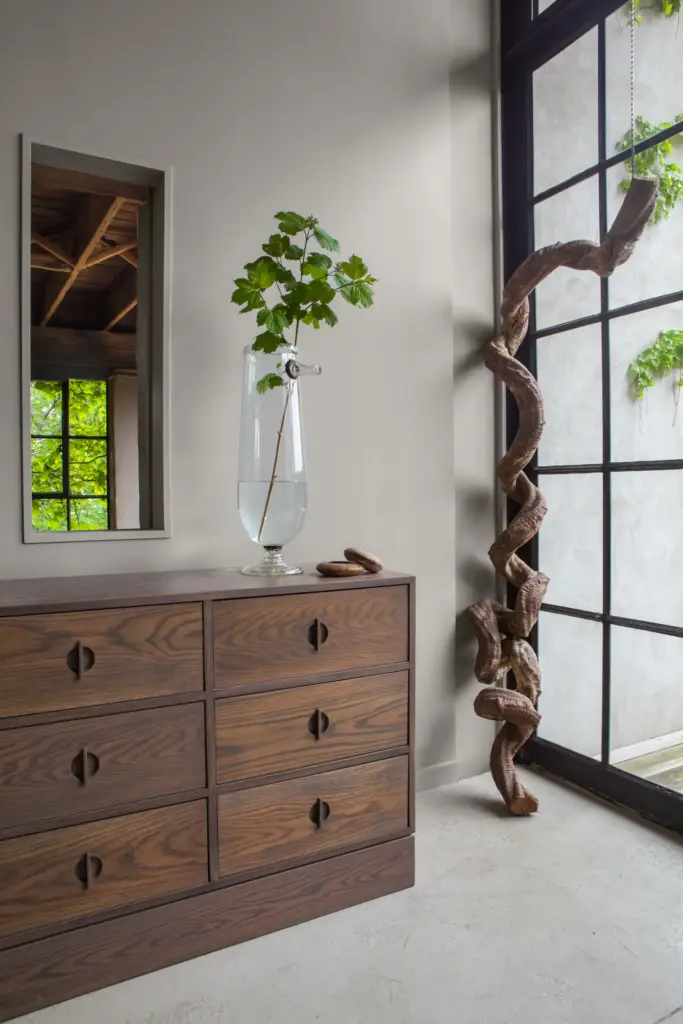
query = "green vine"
{"x": 662, "y": 358}
{"x": 654, "y": 162}
{"x": 665, "y": 7}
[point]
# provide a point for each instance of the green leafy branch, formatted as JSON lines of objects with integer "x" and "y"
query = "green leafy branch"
{"x": 665, "y": 7}
{"x": 654, "y": 162}
{"x": 305, "y": 291}
{"x": 659, "y": 360}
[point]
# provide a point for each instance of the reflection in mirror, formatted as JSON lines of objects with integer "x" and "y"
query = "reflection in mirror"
{"x": 96, "y": 253}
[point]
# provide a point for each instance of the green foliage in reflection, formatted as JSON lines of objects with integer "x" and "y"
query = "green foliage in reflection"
{"x": 655, "y": 162}
{"x": 306, "y": 283}
{"x": 659, "y": 360}
{"x": 87, "y": 456}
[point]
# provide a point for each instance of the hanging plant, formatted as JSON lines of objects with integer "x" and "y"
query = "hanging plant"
{"x": 655, "y": 163}
{"x": 665, "y": 7}
{"x": 664, "y": 357}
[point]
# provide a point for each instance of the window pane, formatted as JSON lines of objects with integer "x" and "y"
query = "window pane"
{"x": 570, "y": 376}
{"x": 49, "y": 514}
{"x": 88, "y": 467}
{"x": 46, "y": 407}
{"x": 46, "y": 465}
{"x": 647, "y": 546}
{"x": 568, "y": 294}
{"x": 570, "y": 541}
{"x": 570, "y": 653}
{"x": 657, "y": 264}
{"x": 89, "y": 514}
{"x": 647, "y": 706}
{"x": 88, "y": 407}
{"x": 566, "y": 113}
{"x": 650, "y": 427}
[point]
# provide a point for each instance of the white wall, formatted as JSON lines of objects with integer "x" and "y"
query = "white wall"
{"x": 123, "y": 428}
{"x": 345, "y": 111}
{"x": 647, "y": 535}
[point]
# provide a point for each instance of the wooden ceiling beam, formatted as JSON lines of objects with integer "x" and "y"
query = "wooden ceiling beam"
{"x": 120, "y": 298}
{"x": 38, "y": 264}
{"x": 107, "y": 254}
{"x": 131, "y": 257}
{"x": 95, "y": 216}
{"x": 54, "y": 248}
{"x": 63, "y": 352}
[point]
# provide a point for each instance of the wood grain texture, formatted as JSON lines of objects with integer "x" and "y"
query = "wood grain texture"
{"x": 49, "y": 771}
{"x": 138, "y": 652}
{"x": 141, "y": 855}
{"x": 264, "y": 733}
{"x": 41, "y": 973}
{"x": 271, "y": 824}
{"x": 272, "y": 638}
{"x": 71, "y": 593}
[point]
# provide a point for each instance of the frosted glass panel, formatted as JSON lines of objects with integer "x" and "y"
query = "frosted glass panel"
{"x": 647, "y": 696}
{"x": 566, "y": 113}
{"x": 568, "y": 294}
{"x": 570, "y": 654}
{"x": 651, "y": 427}
{"x": 647, "y": 546}
{"x": 570, "y": 376}
{"x": 570, "y": 542}
{"x": 657, "y": 264}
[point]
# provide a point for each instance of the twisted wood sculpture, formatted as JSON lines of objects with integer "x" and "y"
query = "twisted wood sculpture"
{"x": 502, "y": 632}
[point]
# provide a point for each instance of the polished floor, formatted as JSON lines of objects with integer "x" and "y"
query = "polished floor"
{"x": 572, "y": 917}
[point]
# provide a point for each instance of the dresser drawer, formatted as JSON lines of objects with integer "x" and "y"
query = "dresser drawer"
{"x": 274, "y": 732}
{"x": 263, "y": 639}
{"x": 69, "y": 767}
{"x": 76, "y": 659}
{"x": 66, "y": 874}
{"x": 270, "y": 824}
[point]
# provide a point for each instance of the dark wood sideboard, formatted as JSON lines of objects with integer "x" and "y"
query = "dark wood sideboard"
{"x": 189, "y": 760}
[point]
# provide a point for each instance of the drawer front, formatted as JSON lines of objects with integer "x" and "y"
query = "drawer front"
{"x": 70, "y": 767}
{"x": 77, "y": 659}
{"x": 72, "y": 872}
{"x": 270, "y": 824}
{"x": 269, "y": 732}
{"x": 264, "y": 639}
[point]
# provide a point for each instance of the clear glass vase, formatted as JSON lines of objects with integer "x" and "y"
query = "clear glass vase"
{"x": 271, "y": 492}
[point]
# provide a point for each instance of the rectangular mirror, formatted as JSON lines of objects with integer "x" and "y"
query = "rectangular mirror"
{"x": 95, "y": 359}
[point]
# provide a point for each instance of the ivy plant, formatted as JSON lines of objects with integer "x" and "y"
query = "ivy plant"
{"x": 661, "y": 359}
{"x": 293, "y": 283}
{"x": 655, "y": 162}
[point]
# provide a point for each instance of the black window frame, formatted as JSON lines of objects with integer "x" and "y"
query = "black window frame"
{"x": 529, "y": 40}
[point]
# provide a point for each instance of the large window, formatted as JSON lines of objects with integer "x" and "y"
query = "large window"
{"x": 70, "y": 455}
{"x": 608, "y": 355}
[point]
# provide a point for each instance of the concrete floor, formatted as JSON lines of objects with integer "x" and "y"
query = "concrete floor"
{"x": 573, "y": 917}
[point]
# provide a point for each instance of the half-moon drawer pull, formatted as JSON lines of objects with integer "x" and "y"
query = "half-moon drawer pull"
{"x": 319, "y": 813}
{"x": 318, "y": 723}
{"x": 84, "y": 765}
{"x": 80, "y": 659}
{"x": 88, "y": 868}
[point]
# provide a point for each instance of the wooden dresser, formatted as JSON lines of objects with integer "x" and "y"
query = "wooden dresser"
{"x": 189, "y": 760}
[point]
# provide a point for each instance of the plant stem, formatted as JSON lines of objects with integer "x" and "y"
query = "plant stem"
{"x": 280, "y": 432}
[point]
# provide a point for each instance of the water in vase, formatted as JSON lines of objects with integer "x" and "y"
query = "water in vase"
{"x": 286, "y": 510}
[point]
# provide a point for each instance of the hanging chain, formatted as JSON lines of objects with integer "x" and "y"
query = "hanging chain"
{"x": 634, "y": 17}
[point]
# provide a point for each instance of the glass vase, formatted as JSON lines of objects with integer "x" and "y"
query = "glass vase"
{"x": 271, "y": 491}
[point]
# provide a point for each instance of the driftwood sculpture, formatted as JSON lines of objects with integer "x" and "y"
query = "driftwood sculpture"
{"x": 502, "y": 632}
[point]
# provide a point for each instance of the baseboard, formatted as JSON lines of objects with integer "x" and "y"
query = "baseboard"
{"x": 435, "y": 775}
{"x": 48, "y": 971}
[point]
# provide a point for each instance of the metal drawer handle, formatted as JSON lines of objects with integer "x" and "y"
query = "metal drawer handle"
{"x": 85, "y": 765}
{"x": 319, "y": 813}
{"x": 80, "y": 659}
{"x": 318, "y": 723}
{"x": 88, "y": 868}
{"x": 317, "y": 634}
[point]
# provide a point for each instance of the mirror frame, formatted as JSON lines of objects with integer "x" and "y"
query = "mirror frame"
{"x": 157, "y": 350}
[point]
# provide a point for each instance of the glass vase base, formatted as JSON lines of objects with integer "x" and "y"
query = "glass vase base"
{"x": 272, "y": 564}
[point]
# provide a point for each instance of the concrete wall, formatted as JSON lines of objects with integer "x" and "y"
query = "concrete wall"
{"x": 647, "y": 552}
{"x": 359, "y": 113}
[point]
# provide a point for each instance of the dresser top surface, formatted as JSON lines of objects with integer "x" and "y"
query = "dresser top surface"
{"x": 73, "y": 593}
